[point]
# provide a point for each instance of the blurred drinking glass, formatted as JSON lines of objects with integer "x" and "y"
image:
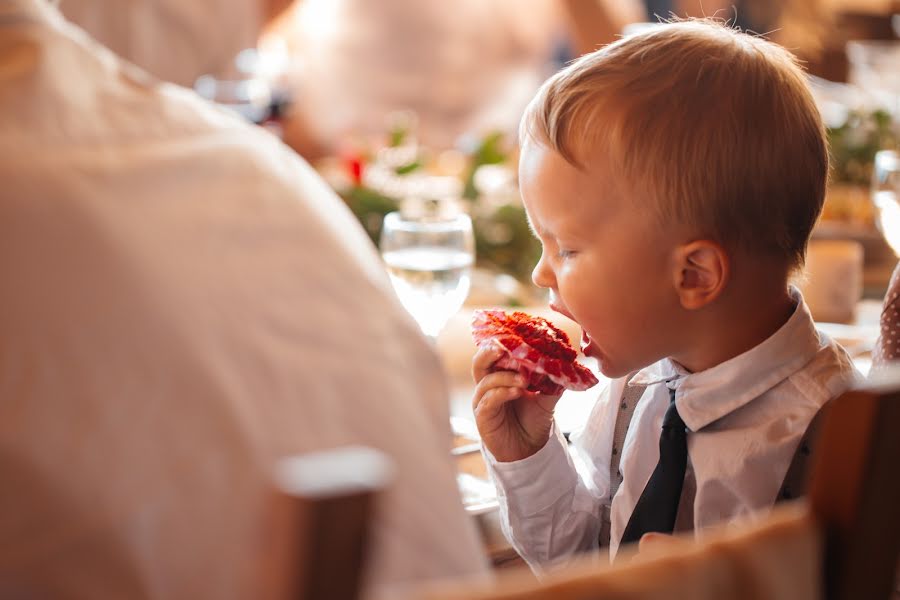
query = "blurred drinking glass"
{"x": 429, "y": 257}
{"x": 250, "y": 97}
{"x": 875, "y": 69}
{"x": 886, "y": 196}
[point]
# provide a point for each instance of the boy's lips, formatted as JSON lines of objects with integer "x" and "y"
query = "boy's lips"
{"x": 586, "y": 342}
{"x": 562, "y": 311}
{"x": 585, "y": 338}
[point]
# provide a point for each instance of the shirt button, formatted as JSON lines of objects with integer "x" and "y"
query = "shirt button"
{"x": 615, "y": 451}
{"x": 623, "y": 406}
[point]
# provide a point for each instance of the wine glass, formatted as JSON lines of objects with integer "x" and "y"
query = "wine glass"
{"x": 886, "y": 196}
{"x": 875, "y": 68}
{"x": 429, "y": 257}
{"x": 248, "y": 96}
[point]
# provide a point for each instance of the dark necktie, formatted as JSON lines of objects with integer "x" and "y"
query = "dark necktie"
{"x": 658, "y": 505}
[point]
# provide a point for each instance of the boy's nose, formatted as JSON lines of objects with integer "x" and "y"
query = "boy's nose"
{"x": 542, "y": 275}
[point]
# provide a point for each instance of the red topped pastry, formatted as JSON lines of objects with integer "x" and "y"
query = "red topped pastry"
{"x": 535, "y": 348}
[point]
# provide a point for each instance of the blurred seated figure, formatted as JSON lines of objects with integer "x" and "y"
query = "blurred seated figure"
{"x": 593, "y": 23}
{"x": 175, "y": 40}
{"x": 469, "y": 67}
{"x": 184, "y": 302}
{"x": 801, "y": 26}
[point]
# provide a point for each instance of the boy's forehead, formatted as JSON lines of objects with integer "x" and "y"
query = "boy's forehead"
{"x": 592, "y": 162}
{"x": 555, "y": 191}
{"x": 541, "y": 165}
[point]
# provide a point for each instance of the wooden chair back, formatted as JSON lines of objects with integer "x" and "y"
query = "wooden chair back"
{"x": 320, "y": 519}
{"x": 854, "y": 490}
{"x": 841, "y": 542}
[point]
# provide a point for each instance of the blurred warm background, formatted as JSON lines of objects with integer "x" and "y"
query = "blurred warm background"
{"x": 399, "y": 103}
{"x": 409, "y": 110}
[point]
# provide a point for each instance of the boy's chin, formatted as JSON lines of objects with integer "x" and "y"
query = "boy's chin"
{"x": 611, "y": 371}
{"x": 605, "y": 364}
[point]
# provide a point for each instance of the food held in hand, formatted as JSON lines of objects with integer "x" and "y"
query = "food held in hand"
{"x": 533, "y": 347}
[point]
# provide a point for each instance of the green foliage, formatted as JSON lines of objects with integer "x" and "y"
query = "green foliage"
{"x": 408, "y": 168}
{"x": 489, "y": 151}
{"x": 369, "y": 207}
{"x": 854, "y": 144}
{"x": 504, "y": 242}
{"x": 399, "y": 131}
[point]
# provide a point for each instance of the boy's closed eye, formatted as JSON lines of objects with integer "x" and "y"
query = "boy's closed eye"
{"x": 563, "y": 253}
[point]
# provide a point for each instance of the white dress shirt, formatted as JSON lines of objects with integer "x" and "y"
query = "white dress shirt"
{"x": 745, "y": 419}
{"x": 183, "y": 302}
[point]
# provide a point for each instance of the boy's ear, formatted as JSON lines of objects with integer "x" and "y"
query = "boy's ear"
{"x": 702, "y": 269}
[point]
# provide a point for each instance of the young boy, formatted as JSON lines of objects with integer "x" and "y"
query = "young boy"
{"x": 673, "y": 179}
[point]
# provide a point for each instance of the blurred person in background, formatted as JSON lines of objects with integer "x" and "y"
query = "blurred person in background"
{"x": 184, "y": 303}
{"x": 175, "y": 40}
{"x": 801, "y": 26}
{"x": 594, "y": 23}
{"x": 354, "y": 62}
{"x": 467, "y": 68}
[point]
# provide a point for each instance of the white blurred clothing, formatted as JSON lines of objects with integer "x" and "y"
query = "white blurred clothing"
{"x": 184, "y": 302}
{"x": 469, "y": 66}
{"x": 175, "y": 40}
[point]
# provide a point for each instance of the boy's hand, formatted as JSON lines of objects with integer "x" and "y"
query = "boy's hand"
{"x": 513, "y": 423}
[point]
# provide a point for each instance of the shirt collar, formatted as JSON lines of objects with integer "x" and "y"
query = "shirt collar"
{"x": 709, "y": 395}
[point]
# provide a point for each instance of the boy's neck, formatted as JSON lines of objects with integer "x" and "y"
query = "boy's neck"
{"x": 745, "y": 315}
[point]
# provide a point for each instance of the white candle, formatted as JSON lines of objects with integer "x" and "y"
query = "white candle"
{"x": 832, "y": 283}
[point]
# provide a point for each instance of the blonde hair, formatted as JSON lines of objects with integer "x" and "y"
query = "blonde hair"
{"x": 708, "y": 126}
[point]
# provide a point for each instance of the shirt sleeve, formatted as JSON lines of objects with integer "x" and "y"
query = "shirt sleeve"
{"x": 547, "y": 511}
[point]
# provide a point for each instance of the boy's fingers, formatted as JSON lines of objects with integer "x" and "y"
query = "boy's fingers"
{"x": 484, "y": 359}
{"x": 652, "y": 540}
{"x": 497, "y": 380}
{"x": 492, "y": 402}
{"x": 548, "y": 403}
